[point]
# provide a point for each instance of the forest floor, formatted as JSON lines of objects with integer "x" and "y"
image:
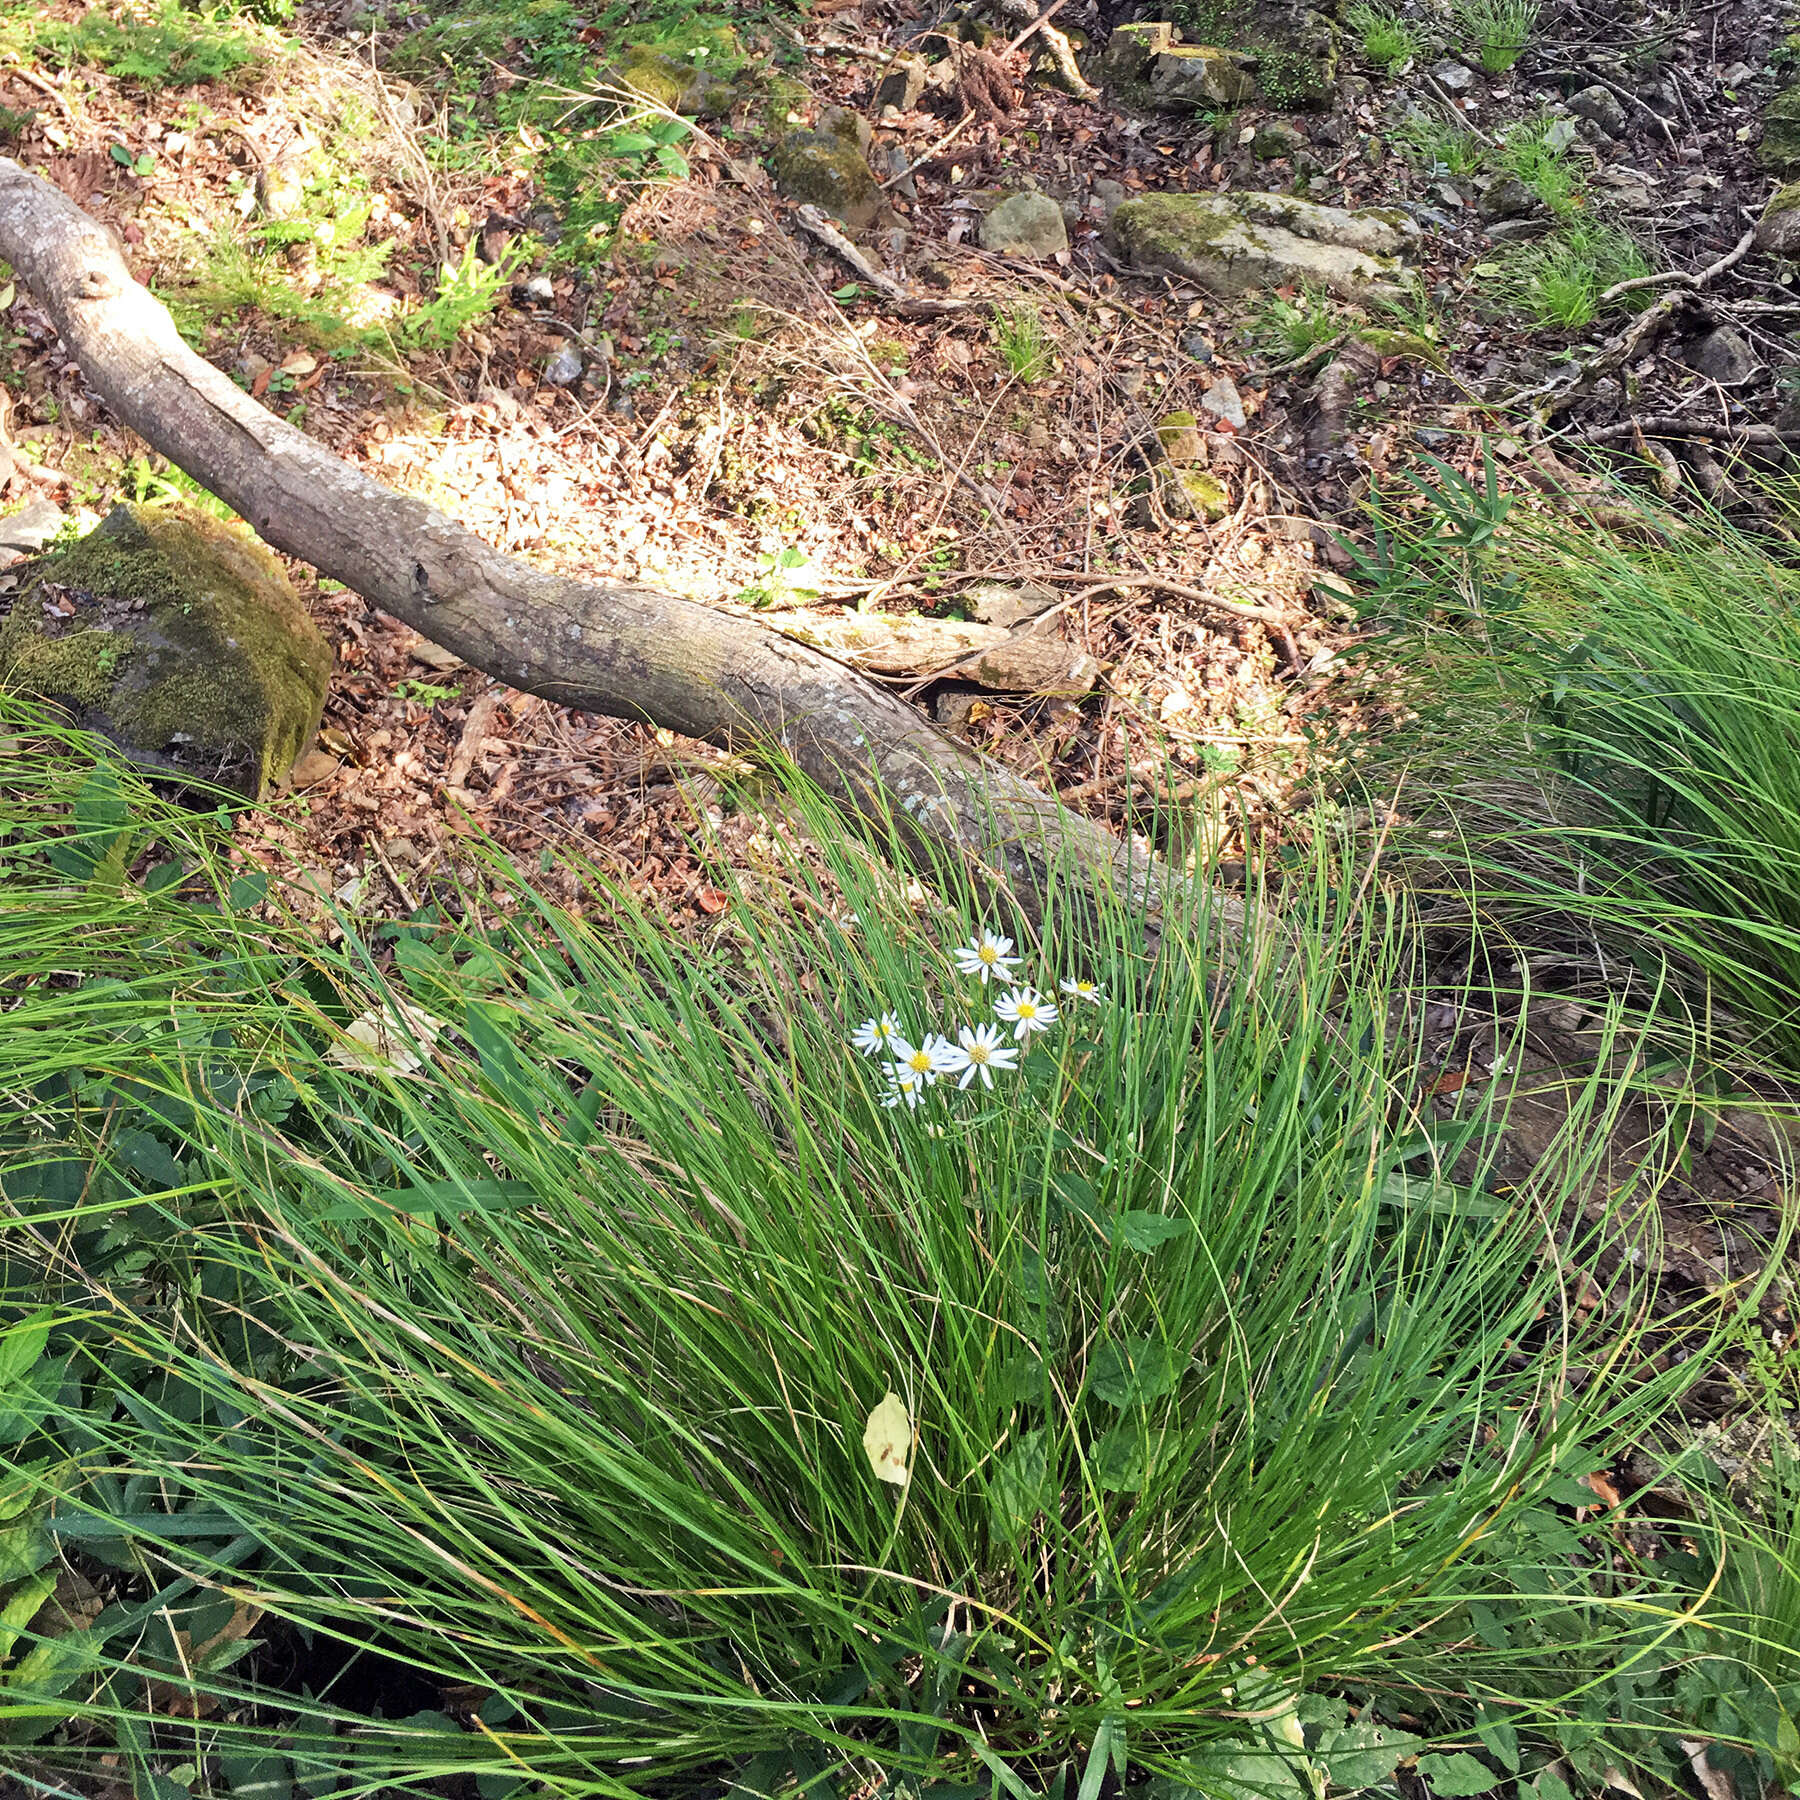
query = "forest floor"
{"x": 392, "y": 224}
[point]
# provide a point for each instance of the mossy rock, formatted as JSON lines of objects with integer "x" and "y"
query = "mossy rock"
{"x": 826, "y": 170}
{"x": 1190, "y": 493}
{"x": 1235, "y": 243}
{"x": 1780, "y": 145}
{"x": 1178, "y": 436}
{"x": 176, "y": 637}
{"x": 666, "y": 80}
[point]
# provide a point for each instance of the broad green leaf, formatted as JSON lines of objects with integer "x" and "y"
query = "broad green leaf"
{"x": 1149, "y": 1231}
{"x": 1358, "y": 1756}
{"x": 20, "y": 1347}
{"x": 251, "y": 1777}
{"x": 1230, "y": 1773}
{"x": 21, "y": 1608}
{"x": 1499, "y": 1737}
{"x": 1132, "y": 1371}
{"x": 1020, "y": 1486}
{"x": 1121, "y": 1458}
{"x": 1415, "y": 1193}
{"x": 1457, "y": 1776}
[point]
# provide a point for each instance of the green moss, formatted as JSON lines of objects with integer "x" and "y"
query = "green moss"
{"x": 1785, "y": 198}
{"x": 1172, "y": 225}
{"x": 1780, "y": 146}
{"x": 188, "y": 646}
{"x": 654, "y": 77}
{"x": 821, "y": 169}
{"x": 1402, "y": 343}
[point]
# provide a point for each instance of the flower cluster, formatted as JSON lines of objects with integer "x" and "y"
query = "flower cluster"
{"x": 979, "y": 1050}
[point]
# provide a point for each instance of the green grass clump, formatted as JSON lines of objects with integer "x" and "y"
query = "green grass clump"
{"x": 1536, "y": 149}
{"x": 1559, "y": 280}
{"x": 1290, "y": 328}
{"x": 1497, "y": 31}
{"x": 551, "y": 1304}
{"x": 1388, "y": 41}
{"x": 1618, "y": 738}
{"x": 1438, "y": 145}
{"x": 1025, "y": 346}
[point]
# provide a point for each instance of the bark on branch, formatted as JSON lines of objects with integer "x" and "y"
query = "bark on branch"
{"x": 604, "y": 647}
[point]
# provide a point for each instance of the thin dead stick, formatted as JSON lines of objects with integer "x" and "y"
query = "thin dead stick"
{"x": 1694, "y": 282}
{"x": 936, "y": 149}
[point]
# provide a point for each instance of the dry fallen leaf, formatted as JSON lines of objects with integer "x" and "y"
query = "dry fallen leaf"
{"x": 387, "y": 1039}
{"x": 887, "y": 1440}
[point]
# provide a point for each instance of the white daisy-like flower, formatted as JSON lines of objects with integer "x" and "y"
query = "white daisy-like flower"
{"x": 924, "y": 1063}
{"x": 877, "y": 1034}
{"x": 902, "y": 1084}
{"x": 989, "y": 954}
{"x": 979, "y": 1051}
{"x": 1026, "y": 1011}
{"x": 1078, "y": 989}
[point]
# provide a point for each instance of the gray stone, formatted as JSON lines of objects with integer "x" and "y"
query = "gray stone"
{"x": 1724, "y": 355}
{"x": 1148, "y": 67}
{"x": 1197, "y": 346}
{"x": 901, "y": 86}
{"x": 541, "y": 289}
{"x": 1005, "y": 603}
{"x": 564, "y": 368}
{"x": 1235, "y": 242}
{"x": 1192, "y": 77}
{"x": 1109, "y": 195}
{"x": 1223, "y": 402}
{"x": 1452, "y": 76}
{"x": 1516, "y": 231}
{"x": 1602, "y": 109}
{"x": 31, "y": 527}
{"x": 893, "y": 165}
{"x": 1276, "y": 140}
{"x": 1028, "y": 225}
{"x": 1507, "y": 198}
{"x": 179, "y": 639}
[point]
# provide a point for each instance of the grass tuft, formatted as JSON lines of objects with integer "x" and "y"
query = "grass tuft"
{"x": 1497, "y": 31}
{"x": 549, "y": 1303}
{"x": 1619, "y": 741}
{"x": 1388, "y": 41}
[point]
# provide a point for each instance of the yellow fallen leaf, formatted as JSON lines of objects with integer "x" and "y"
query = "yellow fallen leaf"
{"x": 887, "y": 1440}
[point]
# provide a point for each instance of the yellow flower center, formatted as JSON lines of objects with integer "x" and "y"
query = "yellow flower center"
{"x": 919, "y": 1061}
{"x": 1027, "y": 1010}
{"x": 987, "y": 953}
{"x": 978, "y": 1053}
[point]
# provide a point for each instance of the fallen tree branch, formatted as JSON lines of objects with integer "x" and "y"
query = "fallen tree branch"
{"x": 1694, "y": 281}
{"x": 604, "y": 647}
{"x": 1668, "y": 425}
{"x": 1620, "y": 349}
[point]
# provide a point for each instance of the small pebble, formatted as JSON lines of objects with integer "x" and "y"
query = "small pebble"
{"x": 564, "y": 368}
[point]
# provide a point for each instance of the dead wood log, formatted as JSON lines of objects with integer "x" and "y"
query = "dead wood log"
{"x": 604, "y": 647}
